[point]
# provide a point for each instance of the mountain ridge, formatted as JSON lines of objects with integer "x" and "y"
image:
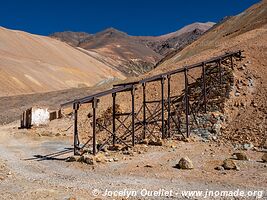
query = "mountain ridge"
{"x": 134, "y": 55}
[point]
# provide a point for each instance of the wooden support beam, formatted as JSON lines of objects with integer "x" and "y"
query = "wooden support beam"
{"x": 204, "y": 86}
{"x": 162, "y": 108}
{"x": 133, "y": 116}
{"x": 94, "y": 106}
{"x": 114, "y": 118}
{"x": 186, "y": 102}
{"x": 144, "y": 110}
{"x": 76, "y": 137}
{"x": 169, "y": 106}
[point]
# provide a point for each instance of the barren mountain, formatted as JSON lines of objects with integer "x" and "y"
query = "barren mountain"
{"x": 119, "y": 50}
{"x": 246, "y": 109}
{"x": 167, "y": 43}
{"x": 31, "y": 63}
{"x": 72, "y": 38}
{"x": 203, "y": 169}
{"x": 133, "y": 54}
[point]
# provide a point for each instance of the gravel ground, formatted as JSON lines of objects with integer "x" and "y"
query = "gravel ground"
{"x": 26, "y": 176}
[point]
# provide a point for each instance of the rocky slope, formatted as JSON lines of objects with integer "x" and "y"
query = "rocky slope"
{"x": 167, "y": 43}
{"x": 246, "y": 110}
{"x": 119, "y": 50}
{"x": 31, "y": 63}
{"x": 132, "y": 57}
{"x": 133, "y": 54}
{"x": 72, "y": 38}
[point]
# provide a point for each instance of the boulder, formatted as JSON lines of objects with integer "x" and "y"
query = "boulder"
{"x": 148, "y": 166}
{"x": 219, "y": 168}
{"x": 185, "y": 139}
{"x": 139, "y": 152}
{"x": 185, "y": 163}
{"x": 104, "y": 149}
{"x": 151, "y": 142}
{"x": 237, "y": 94}
{"x": 157, "y": 142}
{"x": 144, "y": 141}
{"x": 229, "y": 164}
{"x": 100, "y": 158}
{"x": 127, "y": 152}
{"x": 216, "y": 128}
{"x": 264, "y": 157}
{"x": 115, "y": 159}
{"x": 240, "y": 156}
{"x": 248, "y": 146}
{"x": 242, "y": 67}
{"x": 73, "y": 159}
{"x": 87, "y": 151}
{"x": 115, "y": 147}
{"x": 87, "y": 159}
{"x": 89, "y": 115}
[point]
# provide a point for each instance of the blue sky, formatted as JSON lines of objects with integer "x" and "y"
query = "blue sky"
{"x": 136, "y": 17}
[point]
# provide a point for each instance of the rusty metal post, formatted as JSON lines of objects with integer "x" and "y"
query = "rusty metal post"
{"x": 76, "y": 139}
{"x": 186, "y": 102}
{"x": 169, "y": 106}
{"x": 22, "y": 120}
{"x": 25, "y": 119}
{"x": 133, "y": 116}
{"x": 94, "y": 105}
{"x": 204, "y": 86}
{"x": 114, "y": 118}
{"x": 28, "y": 118}
{"x": 162, "y": 107}
{"x": 144, "y": 110}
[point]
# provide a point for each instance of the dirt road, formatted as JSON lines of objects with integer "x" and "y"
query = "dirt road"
{"x": 26, "y": 174}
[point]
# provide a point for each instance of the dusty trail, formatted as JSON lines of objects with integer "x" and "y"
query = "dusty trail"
{"x": 57, "y": 179}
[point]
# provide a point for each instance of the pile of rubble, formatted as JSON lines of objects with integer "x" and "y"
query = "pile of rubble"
{"x": 246, "y": 110}
{"x": 105, "y": 119}
{"x": 105, "y": 155}
{"x": 231, "y": 164}
{"x": 209, "y": 125}
{"x": 228, "y": 120}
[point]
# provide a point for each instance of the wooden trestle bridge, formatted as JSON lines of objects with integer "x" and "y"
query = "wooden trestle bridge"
{"x": 170, "y": 115}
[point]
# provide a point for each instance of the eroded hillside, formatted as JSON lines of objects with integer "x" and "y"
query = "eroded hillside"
{"x": 31, "y": 63}
{"x": 132, "y": 55}
{"x": 246, "y": 109}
